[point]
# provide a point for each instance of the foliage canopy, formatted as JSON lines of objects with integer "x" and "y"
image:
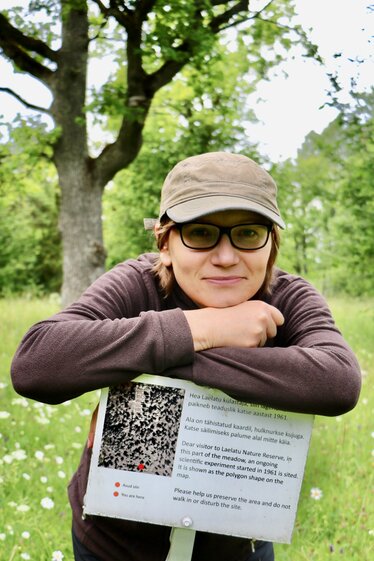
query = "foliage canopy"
{"x": 148, "y": 42}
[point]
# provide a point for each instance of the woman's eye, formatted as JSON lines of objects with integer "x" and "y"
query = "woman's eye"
{"x": 247, "y": 233}
{"x": 199, "y": 233}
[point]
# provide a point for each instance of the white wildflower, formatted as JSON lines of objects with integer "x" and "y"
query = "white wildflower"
{"x": 23, "y": 508}
{"x": 20, "y": 401}
{"x": 61, "y": 474}
{"x": 57, "y": 555}
{"x": 59, "y": 460}
{"x": 47, "y": 503}
{"x": 316, "y": 493}
{"x": 39, "y": 455}
{"x": 4, "y": 414}
{"x": 25, "y": 556}
{"x": 25, "y": 535}
{"x": 38, "y": 405}
{"x": 42, "y": 420}
{"x": 2, "y": 536}
{"x": 85, "y": 412}
{"x": 26, "y": 476}
{"x": 19, "y": 454}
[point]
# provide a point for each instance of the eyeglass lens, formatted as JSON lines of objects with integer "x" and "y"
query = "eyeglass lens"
{"x": 207, "y": 236}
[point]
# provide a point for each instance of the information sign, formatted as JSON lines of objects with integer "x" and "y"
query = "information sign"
{"x": 170, "y": 452}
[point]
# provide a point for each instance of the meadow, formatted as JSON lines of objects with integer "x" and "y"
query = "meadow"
{"x": 40, "y": 446}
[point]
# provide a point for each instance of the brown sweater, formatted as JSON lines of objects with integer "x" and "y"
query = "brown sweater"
{"x": 123, "y": 326}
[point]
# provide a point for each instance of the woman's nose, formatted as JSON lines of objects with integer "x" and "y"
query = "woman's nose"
{"x": 224, "y": 254}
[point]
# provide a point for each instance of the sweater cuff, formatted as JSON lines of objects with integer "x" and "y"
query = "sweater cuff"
{"x": 178, "y": 347}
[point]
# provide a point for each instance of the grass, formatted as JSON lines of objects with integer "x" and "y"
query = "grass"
{"x": 341, "y": 524}
{"x": 40, "y": 449}
{"x": 41, "y": 446}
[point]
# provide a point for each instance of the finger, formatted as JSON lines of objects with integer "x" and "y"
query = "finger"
{"x": 271, "y": 330}
{"x": 263, "y": 340}
{"x": 277, "y": 316}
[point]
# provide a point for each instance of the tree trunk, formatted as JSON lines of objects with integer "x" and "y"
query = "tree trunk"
{"x": 80, "y": 212}
{"x": 81, "y": 228}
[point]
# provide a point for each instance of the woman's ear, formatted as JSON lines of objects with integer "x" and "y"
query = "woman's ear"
{"x": 165, "y": 257}
{"x": 164, "y": 249}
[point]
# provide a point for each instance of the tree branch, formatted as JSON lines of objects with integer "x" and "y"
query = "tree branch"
{"x": 10, "y": 34}
{"x": 123, "y": 17}
{"x": 143, "y": 86}
{"x": 24, "y": 102}
{"x": 312, "y": 48}
{"x": 13, "y": 43}
{"x": 170, "y": 68}
{"x": 123, "y": 151}
{"x": 145, "y": 6}
{"x": 126, "y": 17}
{"x": 217, "y": 21}
{"x": 103, "y": 9}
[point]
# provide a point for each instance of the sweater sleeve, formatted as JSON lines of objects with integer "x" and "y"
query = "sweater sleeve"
{"x": 307, "y": 368}
{"x": 111, "y": 335}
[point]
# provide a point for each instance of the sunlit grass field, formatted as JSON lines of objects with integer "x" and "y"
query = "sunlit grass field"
{"x": 40, "y": 446}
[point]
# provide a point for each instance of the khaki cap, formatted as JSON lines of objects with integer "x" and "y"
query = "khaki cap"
{"x": 217, "y": 181}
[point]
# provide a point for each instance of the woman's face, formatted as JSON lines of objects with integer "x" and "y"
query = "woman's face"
{"x": 219, "y": 277}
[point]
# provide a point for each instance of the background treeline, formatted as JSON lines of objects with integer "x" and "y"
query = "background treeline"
{"x": 326, "y": 194}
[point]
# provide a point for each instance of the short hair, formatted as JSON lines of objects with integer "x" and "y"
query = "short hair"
{"x": 165, "y": 275}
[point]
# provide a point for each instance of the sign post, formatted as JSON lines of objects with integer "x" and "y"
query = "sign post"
{"x": 181, "y": 544}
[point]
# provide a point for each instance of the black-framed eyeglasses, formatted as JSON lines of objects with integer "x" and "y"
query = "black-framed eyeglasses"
{"x": 247, "y": 237}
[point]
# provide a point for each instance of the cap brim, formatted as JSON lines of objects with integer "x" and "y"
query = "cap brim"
{"x": 196, "y": 208}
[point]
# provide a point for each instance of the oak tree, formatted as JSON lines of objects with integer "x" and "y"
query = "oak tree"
{"x": 151, "y": 41}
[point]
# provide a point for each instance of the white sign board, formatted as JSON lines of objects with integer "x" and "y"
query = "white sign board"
{"x": 170, "y": 452}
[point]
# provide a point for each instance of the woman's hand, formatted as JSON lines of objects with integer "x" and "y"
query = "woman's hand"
{"x": 249, "y": 324}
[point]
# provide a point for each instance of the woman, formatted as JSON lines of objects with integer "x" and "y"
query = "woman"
{"x": 211, "y": 308}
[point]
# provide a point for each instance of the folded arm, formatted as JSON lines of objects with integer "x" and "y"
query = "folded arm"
{"x": 285, "y": 353}
{"x": 104, "y": 339}
{"x": 294, "y": 359}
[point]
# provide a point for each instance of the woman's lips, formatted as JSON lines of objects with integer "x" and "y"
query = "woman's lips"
{"x": 223, "y": 281}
